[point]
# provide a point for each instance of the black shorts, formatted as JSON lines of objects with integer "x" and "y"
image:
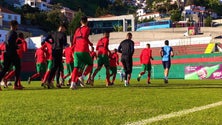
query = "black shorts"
{"x": 127, "y": 64}
{"x": 166, "y": 64}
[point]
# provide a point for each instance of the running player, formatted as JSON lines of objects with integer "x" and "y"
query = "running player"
{"x": 10, "y": 56}
{"x": 103, "y": 58}
{"x": 114, "y": 61}
{"x": 81, "y": 55}
{"x": 126, "y": 48}
{"x": 68, "y": 53}
{"x": 93, "y": 56}
{"x": 166, "y": 53}
{"x": 145, "y": 57}
{"x": 40, "y": 57}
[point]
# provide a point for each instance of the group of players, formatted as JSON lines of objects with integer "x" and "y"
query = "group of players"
{"x": 78, "y": 58}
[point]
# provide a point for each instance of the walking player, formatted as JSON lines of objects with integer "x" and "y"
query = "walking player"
{"x": 126, "y": 48}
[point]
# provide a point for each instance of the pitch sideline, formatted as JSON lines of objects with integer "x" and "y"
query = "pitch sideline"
{"x": 175, "y": 114}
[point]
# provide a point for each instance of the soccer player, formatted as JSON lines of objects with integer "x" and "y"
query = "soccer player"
{"x": 22, "y": 47}
{"x": 59, "y": 40}
{"x": 103, "y": 58}
{"x": 126, "y": 48}
{"x": 145, "y": 60}
{"x": 40, "y": 57}
{"x": 93, "y": 56}
{"x": 48, "y": 50}
{"x": 166, "y": 53}
{"x": 2, "y": 49}
{"x": 81, "y": 55}
{"x": 114, "y": 61}
{"x": 10, "y": 56}
{"x": 68, "y": 53}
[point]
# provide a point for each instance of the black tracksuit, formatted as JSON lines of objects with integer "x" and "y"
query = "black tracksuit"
{"x": 126, "y": 47}
{"x": 59, "y": 41}
{"x": 11, "y": 57}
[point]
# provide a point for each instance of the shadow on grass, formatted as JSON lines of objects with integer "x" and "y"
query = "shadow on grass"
{"x": 139, "y": 85}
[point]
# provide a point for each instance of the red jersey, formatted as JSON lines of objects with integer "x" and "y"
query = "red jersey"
{"x": 145, "y": 56}
{"x": 92, "y": 54}
{"x": 102, "y": 46}
{"x": 2, "y": 49}
{"x": 113, "y": 59}
{"x": 68, "y": 53}
{"x": 81, "y": 39}
{"x": 48, "y": 49}
{"x": 22, "y": 47}
{"x": 40, "y": 55}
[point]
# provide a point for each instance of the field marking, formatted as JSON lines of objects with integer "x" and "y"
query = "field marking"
{"x": 175, "y": 114}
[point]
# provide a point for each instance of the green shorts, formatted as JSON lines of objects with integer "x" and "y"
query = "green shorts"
{"x": 113, "y": 70}
{"x": 40, "y": 67}
{"x": 1, "y": 63}
{"x": 103, "y": 60}
{"x": 70, "y": 67}
{"x": 49, "y": 64}
{"x": 81, "y": 59}
{"x": 146, "y": 67}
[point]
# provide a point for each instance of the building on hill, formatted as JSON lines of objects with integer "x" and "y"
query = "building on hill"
{"x": 68, "y": 13}
{"x": 43, "y": 5}
{"x": 109, "y": 22}
{"x": 149, "y": 16}
{"x": 7, "y": 15}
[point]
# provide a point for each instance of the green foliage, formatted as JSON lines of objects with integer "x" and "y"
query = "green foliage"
{"x": 175, "y": 15}
{"x": 208, "y": 21}
{"x": 75, "y": 23}
{"x": 118, "y": 28}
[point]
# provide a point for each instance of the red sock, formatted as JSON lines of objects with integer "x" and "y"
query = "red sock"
{"x": 35, "y": 76}
{"x": 149, "y": 74}
{"x": 10, "y": 74}
{"x": 46, "y": 76}
{"x": 142, "y": 73}
{"x": 74, "y": 75}
{"x": 88, "y": 70}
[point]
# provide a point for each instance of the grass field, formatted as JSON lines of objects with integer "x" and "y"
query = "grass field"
{"x": 114, "y": 105}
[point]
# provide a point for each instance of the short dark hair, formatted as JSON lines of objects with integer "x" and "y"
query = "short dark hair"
{"x": 129, "y": 34}
{"x": 84, "y": 19}
{"x": 21, "y": 35}
{"x": 148, "y": 44}
{"x": 166, "y": 42}
{"x": 13, "y": 23}
{"x": 63, "y": 24}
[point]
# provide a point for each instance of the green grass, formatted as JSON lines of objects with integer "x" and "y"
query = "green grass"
{"x": 100, "y": 105}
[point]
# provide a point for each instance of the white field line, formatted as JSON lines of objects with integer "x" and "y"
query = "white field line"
{"x": 175, "y": 114}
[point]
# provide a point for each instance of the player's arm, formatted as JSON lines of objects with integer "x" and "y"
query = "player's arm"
{"x": 24, "y": 46}
{"x": 151, "y": 57}
{"x": 120, "y": 48}
{"x": 141, "y": 55}
{"x": 172, "y": 53}
{"x": 161, "y": 52}
{"x": 132, "y": 48}
{"x": 117, "y": 59}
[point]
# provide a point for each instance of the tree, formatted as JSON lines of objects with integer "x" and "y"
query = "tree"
{"x": 175, "y": 15}
{"x": 208, "y": 21}
{"x": 75, "y": 23}
{"x": 189, "y": 2}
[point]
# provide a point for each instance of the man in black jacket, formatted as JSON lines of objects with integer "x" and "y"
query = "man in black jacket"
{"x": 126, "y": 47}
{"x": 59, "y": 41}
{"x": 10, "y": 55}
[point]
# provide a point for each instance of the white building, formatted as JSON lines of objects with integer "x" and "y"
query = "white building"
{"x": 42, "y": 5}
{"x": 8, "y": 15}
{"x": 149, "y": 16}
{"x": 3, "y": 35}
{"x": 140, "y": 12}
{"x": 68, "y": 13}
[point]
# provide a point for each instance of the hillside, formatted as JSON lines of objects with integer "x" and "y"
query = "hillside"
{"x": 87, "y": 6}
